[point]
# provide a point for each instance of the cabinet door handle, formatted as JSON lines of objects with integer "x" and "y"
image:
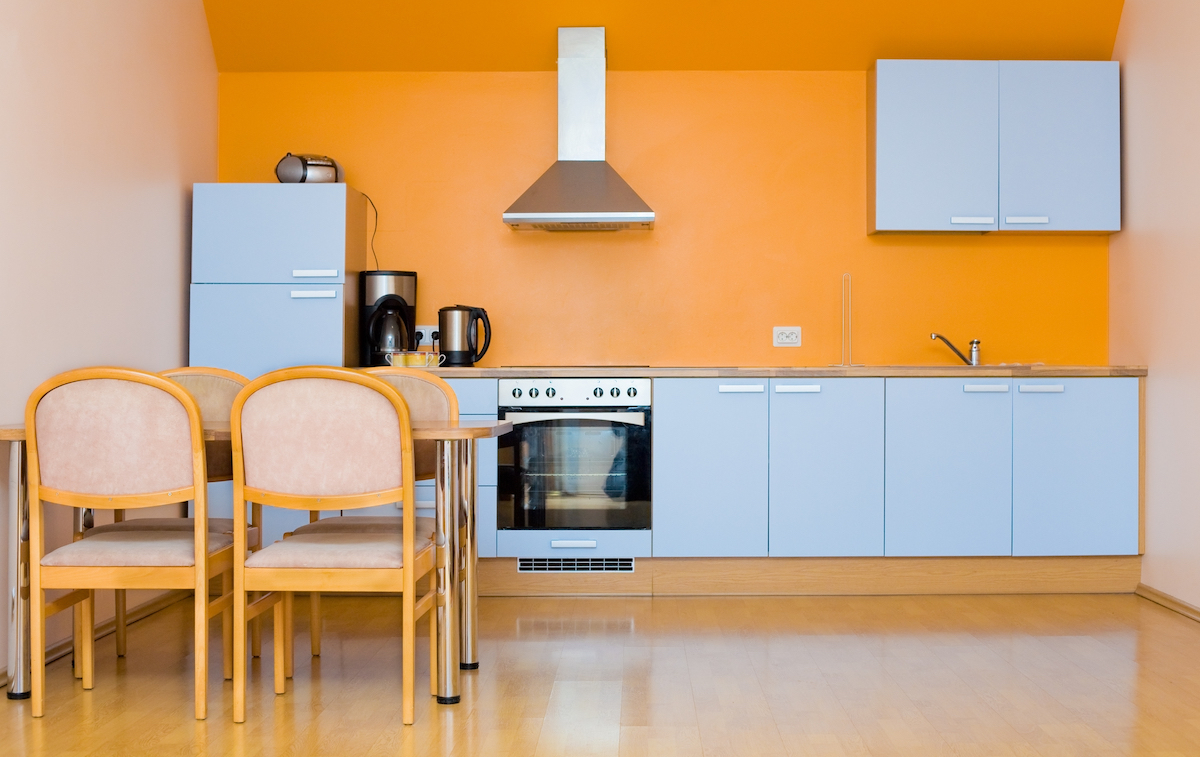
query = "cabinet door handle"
{"x": 973, "y": 388}
{"x": 797, "y": 388}
{"x": 1027, "y": 219}
{"x": 572, "y": 544}
{"x": 972, "y": 219}
{"x": 741, "y": 388}
{"x": 1041, "y": 388}
{"x": 314, "y": 273}
{"x": 313, "y": 294}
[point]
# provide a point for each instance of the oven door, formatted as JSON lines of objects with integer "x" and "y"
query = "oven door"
{"x": 574, "y": 468}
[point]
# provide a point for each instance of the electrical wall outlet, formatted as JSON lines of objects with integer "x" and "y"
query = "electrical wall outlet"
{"x": 785, "y": 336}
{"x": 425, "y": 335}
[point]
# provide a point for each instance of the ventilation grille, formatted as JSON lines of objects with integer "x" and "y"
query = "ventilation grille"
{"x": 583, "y": 226}
{"x": 575, "y": 565}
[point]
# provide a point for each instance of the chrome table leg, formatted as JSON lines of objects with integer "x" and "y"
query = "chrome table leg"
{"x": 469, "y": 652}
{"x": 18, "y": 575}
{"x": 448, "y": 557}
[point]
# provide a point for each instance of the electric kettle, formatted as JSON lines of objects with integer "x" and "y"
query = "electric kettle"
{"x": 458, "y": 337}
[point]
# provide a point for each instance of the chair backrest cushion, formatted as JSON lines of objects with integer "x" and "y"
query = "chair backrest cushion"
{"x": 426, "y": 400}
{"x": 214, "y": 394}
{"x": 320, "y": 437}
{"x": 113, "y": 437}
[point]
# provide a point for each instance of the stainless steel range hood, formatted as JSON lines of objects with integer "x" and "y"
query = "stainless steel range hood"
{"x": 581, "y": 191}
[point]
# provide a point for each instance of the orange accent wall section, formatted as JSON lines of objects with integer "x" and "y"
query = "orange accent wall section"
{"x": 758, "y": 180}
{"x": 484, "y": 35}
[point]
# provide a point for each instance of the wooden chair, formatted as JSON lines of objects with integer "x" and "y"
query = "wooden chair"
{"x": 429, "y": 398}
{"x": 324, "y": 438}
{"x": 214, "y": 390}
{"x": 118, "y": 439}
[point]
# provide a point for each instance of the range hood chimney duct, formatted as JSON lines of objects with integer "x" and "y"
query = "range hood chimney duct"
{"x": 581, "y": 191}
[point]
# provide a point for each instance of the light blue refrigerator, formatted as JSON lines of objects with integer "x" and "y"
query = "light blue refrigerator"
{"x": 274, "y": 284}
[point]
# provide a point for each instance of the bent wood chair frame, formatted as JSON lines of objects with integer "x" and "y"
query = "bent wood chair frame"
{"x": 83, "y": 581}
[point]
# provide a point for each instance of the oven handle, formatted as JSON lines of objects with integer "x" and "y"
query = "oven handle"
{"x": 634, "y": 419}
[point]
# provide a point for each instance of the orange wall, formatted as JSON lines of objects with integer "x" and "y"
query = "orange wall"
{"x": 758, "y": 179}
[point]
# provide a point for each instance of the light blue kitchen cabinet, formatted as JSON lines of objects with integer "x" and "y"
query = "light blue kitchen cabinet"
{"x": 710, "y": 467}
{"x": 277, "y": 233}
{"x": 1060, "y": 145}
{"x": 255, "y": 328}
{"x": 933, "y": 149}
{"x": 826, "y": 467}
{"x": 1075, "y": 466}
{"x": 949, "y": 469}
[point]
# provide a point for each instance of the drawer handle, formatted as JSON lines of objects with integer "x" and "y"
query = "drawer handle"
{"x": 572, "y": 543}
{"x": 797, "y": 388}
{"x": 972, "y": 219}
{"x": 973, "y": 388}
{"x": 314, "y": 273}
{"x": 1027, "y": 219}
{"x": 741, "y": 388}
{"x": 1041, "y": 388}
{"x": 313, "y": 294}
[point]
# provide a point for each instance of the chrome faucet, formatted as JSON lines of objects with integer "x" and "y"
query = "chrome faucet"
{"x": 974, "y": 349}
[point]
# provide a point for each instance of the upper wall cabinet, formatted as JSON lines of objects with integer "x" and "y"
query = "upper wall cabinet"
{"x": 1060, "y": 145}
{"x": 987, "y": 145}
{"x": 936, "y": 130}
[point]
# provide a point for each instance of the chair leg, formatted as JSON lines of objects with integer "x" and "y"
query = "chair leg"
{"x": 76, "y": 640}
{"x": 37, "y": 653}
{"x": 256, "y": 634}
{"x": 87, "y": 641}
{"x": 121, "y": 621}
{"x": 278, "y": 632}
{"x": 314, "y": 621}
{"x": 201, "y": 646}
{"x": 227, "y": 628}
{"x": 289, "y": 633}
{"x": 239, "y": 657}
{"x": 409, "y": 658}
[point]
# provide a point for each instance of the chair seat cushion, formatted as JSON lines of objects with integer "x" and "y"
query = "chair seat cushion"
{"x": 215, "y": 526}
{"x": 375, "y": 524}
{"x": 130, "y": 549}
{"x": 335, "y": 550}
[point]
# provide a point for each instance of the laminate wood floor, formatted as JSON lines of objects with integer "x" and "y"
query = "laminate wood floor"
{"x": 959, "y": 675}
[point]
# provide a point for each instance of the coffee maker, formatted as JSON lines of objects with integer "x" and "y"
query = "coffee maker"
{"x": 388, "y": 317}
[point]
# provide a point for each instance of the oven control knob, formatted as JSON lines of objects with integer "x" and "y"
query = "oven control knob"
{"x": 631, "y": 392}
{"x": 550, "y": 392}
{"x": 533, "y": 393}
{"x": 516, "y": 392}
{"x": 615, "y": 392}
{"x": 598, "y": 392}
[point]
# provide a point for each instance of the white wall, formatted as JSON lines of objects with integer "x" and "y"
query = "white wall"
{"x": 1155, "y": 274}
{"x": 108, "y": 113}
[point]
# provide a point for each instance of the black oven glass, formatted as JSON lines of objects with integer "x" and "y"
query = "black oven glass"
{"x": 575, "y": 473}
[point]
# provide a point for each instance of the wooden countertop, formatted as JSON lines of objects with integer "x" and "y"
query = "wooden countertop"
{"x": 887, "y": 371}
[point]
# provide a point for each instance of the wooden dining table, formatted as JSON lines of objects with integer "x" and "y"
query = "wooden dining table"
{"x": 455, "y": 545}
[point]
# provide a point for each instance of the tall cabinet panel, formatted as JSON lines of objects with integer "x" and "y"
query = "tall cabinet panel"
{"x": 277, "y": 233}
{"x": 1060, "y": 145}
{"x": 1075, "y": 466}
{"x": 934, "y": 145}
{"x": 710, "y": 468}
{"x": 826, "y": 467}
{"x": 949, "y": 467}
{"x": 255, "y": 328}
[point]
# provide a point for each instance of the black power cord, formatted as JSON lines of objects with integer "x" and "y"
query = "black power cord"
{"x": 375, "y": 229}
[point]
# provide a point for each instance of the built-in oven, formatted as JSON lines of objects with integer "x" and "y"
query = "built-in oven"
{"x": 574, "y": 474}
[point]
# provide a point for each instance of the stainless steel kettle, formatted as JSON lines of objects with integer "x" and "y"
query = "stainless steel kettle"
{"x": 458, "y": 337}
